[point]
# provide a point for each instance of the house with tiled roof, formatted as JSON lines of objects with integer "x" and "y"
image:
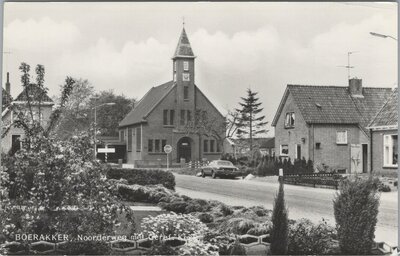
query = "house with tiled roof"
{"x": 328, "y": 124}
{"x": 384, "y": 141}
{"x": 41, "y": 105}
{"x": 161, "y": 116}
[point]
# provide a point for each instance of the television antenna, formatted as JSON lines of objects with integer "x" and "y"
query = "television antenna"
{"x": 348, "y": 64}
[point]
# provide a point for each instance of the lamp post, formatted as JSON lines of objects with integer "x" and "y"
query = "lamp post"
{"x": 95, "y": 124}
{"x": 382, "y": 35}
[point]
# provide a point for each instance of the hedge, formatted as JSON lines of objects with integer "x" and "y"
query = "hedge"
{"x": 143, "y": 176}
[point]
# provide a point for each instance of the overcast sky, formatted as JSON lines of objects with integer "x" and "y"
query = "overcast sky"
{"x": 263, "y": 46}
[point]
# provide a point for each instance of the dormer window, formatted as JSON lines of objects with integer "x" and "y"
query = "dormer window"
{"x": 186, "y": 66}
{"x": 289, "y": 120}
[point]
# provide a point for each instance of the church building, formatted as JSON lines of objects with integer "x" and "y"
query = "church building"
{"x": 162, "y": 116}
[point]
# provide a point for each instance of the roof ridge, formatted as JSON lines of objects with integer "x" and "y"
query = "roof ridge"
{"x": 392, "y": 95}
{"x": 335, "y": 86}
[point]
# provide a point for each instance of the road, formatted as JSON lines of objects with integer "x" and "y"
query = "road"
{"x": 302, "y": 202}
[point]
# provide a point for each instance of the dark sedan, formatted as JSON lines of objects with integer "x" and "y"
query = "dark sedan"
{"x": 220, "y": 168}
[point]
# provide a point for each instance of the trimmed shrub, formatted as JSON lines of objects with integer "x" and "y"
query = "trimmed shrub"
{"x": 280, "y": 225}
{"x": 260, "y": 211}
{"x": 226, "y": 210}
{"x": 237, "y": 249}
{"x": 306, "y": 238}
{"x": 356, "y": 210}
{"x": 145, "y": 194}
{"x": 260, "y": 229}
{"x": 238, "y": 226}
{"x": 177, "y": 206}
{"x": 205, "y": 217}
{"x": 144, "y": 176}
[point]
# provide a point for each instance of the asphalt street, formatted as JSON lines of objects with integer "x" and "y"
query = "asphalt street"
{"x": 302, "y": 202}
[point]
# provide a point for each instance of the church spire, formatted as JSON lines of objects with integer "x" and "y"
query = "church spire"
{"x": 183, "y": 49}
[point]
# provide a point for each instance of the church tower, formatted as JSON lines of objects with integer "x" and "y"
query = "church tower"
{"x": 183, "y": 76}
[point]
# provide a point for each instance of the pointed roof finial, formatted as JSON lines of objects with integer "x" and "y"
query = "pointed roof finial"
{"x": 183, "y": 21}
{"x": 183, "y": 49}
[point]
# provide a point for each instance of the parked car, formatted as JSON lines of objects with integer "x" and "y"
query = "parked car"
{"x": 220, "y": 168}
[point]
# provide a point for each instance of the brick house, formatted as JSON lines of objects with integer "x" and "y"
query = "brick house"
{"x": 328, "y": 124}
{"x": 384, "y": 141}
{"x": 12, "y": 139}
{"x": 161, "y": 115}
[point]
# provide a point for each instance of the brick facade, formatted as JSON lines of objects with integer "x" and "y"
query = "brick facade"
{"x": 377, "y": 152}
{"x": 182, "y": 97}
{"x": 6, "y": 142}
{"x": 317, "y": 142}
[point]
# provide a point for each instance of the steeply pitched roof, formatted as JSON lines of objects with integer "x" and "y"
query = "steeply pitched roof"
{"x": 387, "y": 115}
{"x": 35, "y": 94}
{"x": 334, "y": 104}
{"x": 183, "y": 49}
{"x": 147, "y": 104}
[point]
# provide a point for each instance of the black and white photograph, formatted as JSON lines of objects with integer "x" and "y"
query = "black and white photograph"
{"x": 199, "y": 128}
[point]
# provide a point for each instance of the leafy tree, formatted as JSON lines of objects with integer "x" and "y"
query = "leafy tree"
{"x": 251, "y": 122}
{"x": 356, "y": 210}
{"x": 212, "y": 126}
{"x": 108, "y": 118}
{"x": 78, "y": 114}
{"x": 53, "y": 186}
{"x": 280, "y": 224}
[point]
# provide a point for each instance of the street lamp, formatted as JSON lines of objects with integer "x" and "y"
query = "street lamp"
{"x": 95, "y": 123}
{"x": 382, "y": 35}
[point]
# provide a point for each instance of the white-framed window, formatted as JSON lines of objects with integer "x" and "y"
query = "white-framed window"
{"x": 341, "y": 137}
{"x": 284, "y": 150}
{"x": 174, "y": 77}
{"x": 289, "y": 120}
{"x": 186, "y": 65}
{"x": 390, "y": 150}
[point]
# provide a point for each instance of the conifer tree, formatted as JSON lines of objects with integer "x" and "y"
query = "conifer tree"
{"x": 280, "y": 224}
{"x": 251, "y": 121}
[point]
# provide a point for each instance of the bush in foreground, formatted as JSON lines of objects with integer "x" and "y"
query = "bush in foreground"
{"x": 356, "y": 210}
{"x": 307, "y": 238}
{"x": 144, "y": 176}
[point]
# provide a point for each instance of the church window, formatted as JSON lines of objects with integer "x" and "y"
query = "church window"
{"x": 212, "y": 146}
{"x": 139, "y": 139}
{"x": 174, "y": 65}
{"x": 186, "y": 92}
{"x": 174, "y": 77}
{"x": 157, "y": 145}
{"x": 205, "y": 146}
{"x": 130, "y": 130}
{"x": 150, "y": 146}
{"x": 165, "y": 117}
{"x": 186, "y": 66}
{"x": 183, "y": 117}
{"x": 189, "y": 116}
{"x": 171, "y": 117}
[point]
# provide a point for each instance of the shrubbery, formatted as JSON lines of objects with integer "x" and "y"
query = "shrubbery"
{"x": 270, "y": 166}
{"x": 306, "y": 238}
{"x": 356, "y": 210}
{"x": 144, "y": 176}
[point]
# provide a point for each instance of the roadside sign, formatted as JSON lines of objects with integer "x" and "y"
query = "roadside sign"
{"x": 106, "y": 150}
{"x": 167, "y": 149}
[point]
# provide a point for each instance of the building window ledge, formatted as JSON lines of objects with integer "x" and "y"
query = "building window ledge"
{"x": 341, "y": 144}
{"x": 212, "y": 153}
{"x": 390, "y": 166}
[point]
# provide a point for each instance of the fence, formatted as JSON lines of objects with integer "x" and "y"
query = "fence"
{"x": 314, "y": 179}
{"x": 125, "y": 246}
{"x": 197, "y": 164}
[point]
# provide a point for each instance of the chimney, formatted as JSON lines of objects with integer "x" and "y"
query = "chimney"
{"x": 8, "y": 85}
{"x": 355, "y": 87}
